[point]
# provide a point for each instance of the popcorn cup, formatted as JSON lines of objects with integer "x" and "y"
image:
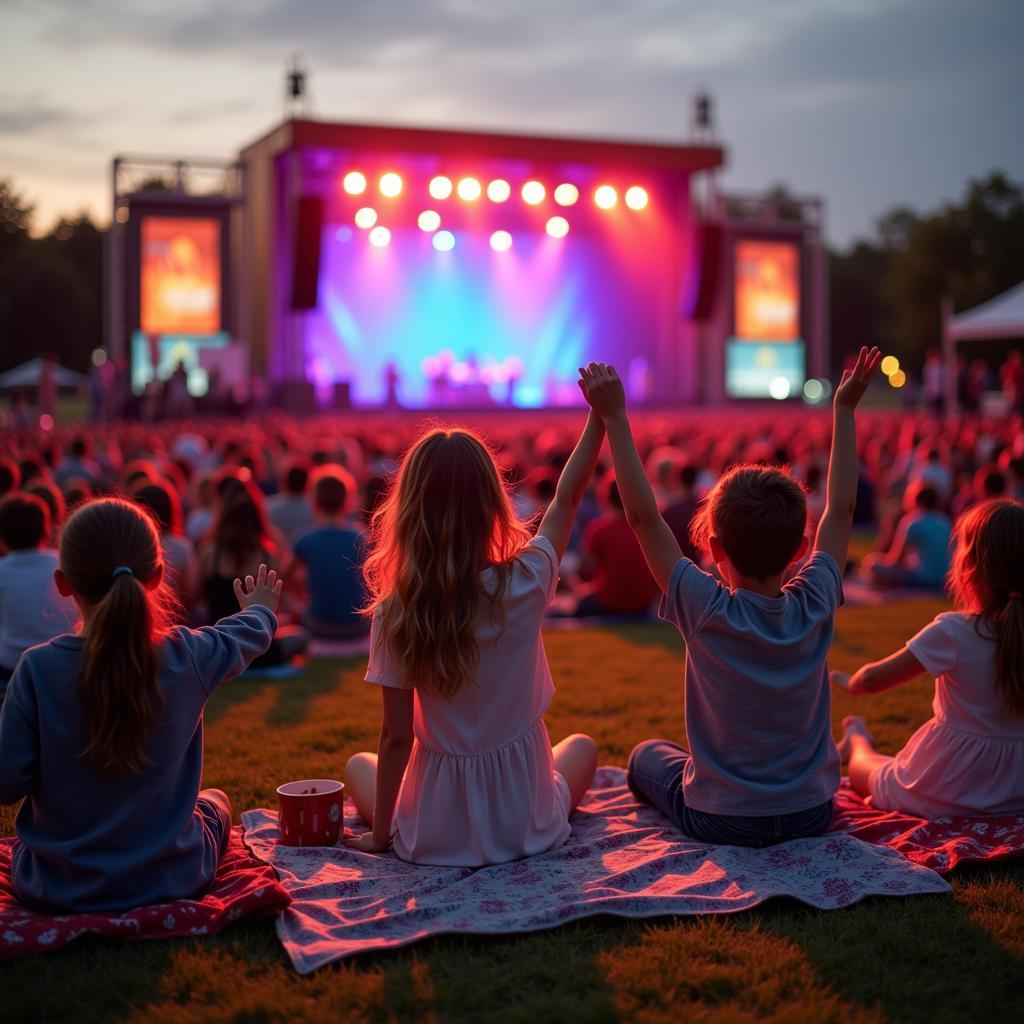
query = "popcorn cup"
{"x": 309, "y": 812}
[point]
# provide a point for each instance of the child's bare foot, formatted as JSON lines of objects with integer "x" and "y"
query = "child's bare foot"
{"x": 853, "y": 725}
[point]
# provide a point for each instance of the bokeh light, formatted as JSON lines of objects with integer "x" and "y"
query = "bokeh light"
{"x": 444, "y": 241}
{"x": 890, "y": 364}
{"x": 440, "y": 187}
{"x": 605, "y": 197}
{"x": 501, "y": 241}
{"x": 779, "y": 387}
{"x": 566, "y": 194}
{"x": 354, "y": 183}
{"x": 533, "y": 193}
{"x": 99, "y": 356}
{"x": 897, "y": 379}
{"x": 469, "y": 189}
{"x": 813, "y": 390}
{"x": 380, "y": 236}
{"x": 499, "y": 190}
{"x": 636, "y": 198}
{"x": 390, "y": 184}
{"x": 557, "y": 227}
{"x": 366, "y": 217}
{"x": 429, "y": 220}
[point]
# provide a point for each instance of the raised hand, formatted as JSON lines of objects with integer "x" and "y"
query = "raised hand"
{"x": 603, "y": 390}
{"x": 264, "y": 590}
{"x": 855, "y": 382}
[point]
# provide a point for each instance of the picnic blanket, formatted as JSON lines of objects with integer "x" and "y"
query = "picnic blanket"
{"x": 939, "y": 844}
{"x": 622, "y": 858}
{"x": 243, "y": 886}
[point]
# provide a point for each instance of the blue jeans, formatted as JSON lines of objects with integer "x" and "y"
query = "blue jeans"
{"x": 655, "y": 776}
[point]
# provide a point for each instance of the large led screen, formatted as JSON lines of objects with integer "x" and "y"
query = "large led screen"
{"x": 767, "y": 291}
{"x": 181, "y": 275}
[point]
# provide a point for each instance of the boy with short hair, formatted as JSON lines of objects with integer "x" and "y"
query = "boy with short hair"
{"x": 31, "y": 610}
{"x": 332, "y": 554}
{"x": 762, "y": 767}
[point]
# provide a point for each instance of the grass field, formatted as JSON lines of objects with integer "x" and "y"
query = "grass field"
{"x": 937, "y": 958}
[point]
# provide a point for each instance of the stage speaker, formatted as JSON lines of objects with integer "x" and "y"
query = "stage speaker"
{"x": 710, "y": 245}
{"x": 297, "y": 396}
{"x": 343, "y": 394}
{"x": 309, "y": 215}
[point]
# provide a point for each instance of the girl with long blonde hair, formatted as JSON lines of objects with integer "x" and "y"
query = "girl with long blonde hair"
{"x": 464, "y": 772}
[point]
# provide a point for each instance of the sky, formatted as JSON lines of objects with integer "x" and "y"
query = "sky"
{"x": 868, "y": 103}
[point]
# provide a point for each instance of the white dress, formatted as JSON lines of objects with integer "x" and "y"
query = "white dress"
{"x": 480, "y": 787}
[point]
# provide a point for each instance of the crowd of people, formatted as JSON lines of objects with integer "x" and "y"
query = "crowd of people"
{"x": 154, "y": 544}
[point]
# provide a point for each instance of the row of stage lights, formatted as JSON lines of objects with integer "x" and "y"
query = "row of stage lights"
{"x": 606, "y": 197}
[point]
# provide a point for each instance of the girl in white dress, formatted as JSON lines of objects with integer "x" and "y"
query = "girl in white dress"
{"x": 969, "y": 758}
{"x": 464, "y": 772}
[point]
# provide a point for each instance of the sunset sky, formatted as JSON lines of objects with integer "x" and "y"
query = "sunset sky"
{"x": 870, "y": 103}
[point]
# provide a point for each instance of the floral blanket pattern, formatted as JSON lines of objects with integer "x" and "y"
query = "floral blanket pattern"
{"x": 243, "y": 886}
{"x": 623, "y": 858}
{"x": 939, "y": 844}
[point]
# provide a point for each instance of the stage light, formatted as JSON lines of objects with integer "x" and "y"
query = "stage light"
{"x": 440, "y": 187}
{"x": 390, "y": 184}
{"x": 99, "y": 356}
{"x": 605, "y": 197}
{"x": 897, "y": 379}
{"x": 778, "y": 387}
{"x": 501, "y": 241}
{"x": 533, "y": 193}
{"x": 380, "y": 236}
{"x": 429, "y": 220}
{"x": 813, "y": 391}
{"x": 366, "y": 217}
{"x": 354, "y": 183}
{"x": 557, "y": 227}
{"x": 499, "y": 190}
{"x": 444, "y": 241}
{"x": 566, "y": 194}
{"x": 890, "y": 365}
{"x": 636, "y": 197}
{"x": 469, "y": 189}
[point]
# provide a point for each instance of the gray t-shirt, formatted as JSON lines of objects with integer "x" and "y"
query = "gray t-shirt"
{"x": 758, "y": 708}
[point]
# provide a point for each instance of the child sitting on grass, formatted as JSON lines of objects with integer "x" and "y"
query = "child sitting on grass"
{"x": 969, "y": 758}
{"x": 762, "y": 767}
{"x": 31, "y": 610}
{"x": 464, "y": 772}
{"x": 102, "y": 733}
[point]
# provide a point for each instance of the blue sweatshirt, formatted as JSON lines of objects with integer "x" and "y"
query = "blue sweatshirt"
{"x": 93, "y": 840}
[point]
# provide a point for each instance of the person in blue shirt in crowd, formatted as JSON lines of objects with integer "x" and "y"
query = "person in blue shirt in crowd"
{"x": 919, "y": 555}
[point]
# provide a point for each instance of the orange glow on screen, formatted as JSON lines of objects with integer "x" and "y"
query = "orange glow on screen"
{"x": 767, "y": 291}
{"x": 180, "y": 275}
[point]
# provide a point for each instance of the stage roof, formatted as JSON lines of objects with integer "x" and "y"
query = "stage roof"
{"x": 1001, "y": 317}
{"x": 295, "y": 134}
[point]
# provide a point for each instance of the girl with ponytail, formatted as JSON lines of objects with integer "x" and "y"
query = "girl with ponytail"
{"x": 969, "y": 758}
{"x": 102, "y": 732}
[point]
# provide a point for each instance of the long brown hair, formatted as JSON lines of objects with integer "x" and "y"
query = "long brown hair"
{"x": 446, "y": 518}
{"x": 241, "y": 530}
{"x": 987, "y": 578}
{"x": 118, "y": 685}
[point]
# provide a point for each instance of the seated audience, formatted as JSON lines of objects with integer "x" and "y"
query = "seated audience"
{"x": 919, "y": 556}
{"x": 290, "y": 510}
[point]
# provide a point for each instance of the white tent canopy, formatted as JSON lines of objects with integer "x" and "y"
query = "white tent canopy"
{"x": 28, "y": 375}
{"x": 1001, "y": 317}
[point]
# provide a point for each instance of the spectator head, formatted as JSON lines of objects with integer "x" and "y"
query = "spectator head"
{"x": 24, "y": 521}
{"x": 333, "y": 488}
{"x": 609, "y": 493}
{"x": 79, "y": 447}
{"x": 10, "y": 476}
{"x": 755, "y": 517}
{"x": 542, "y": 483}
{"x": 296, "y": 479}
{"x": 76, "y": 491}
{"x": 30, "y": 467}
{"x": 162, "y": 503}
{"x": 688, "y": 476}
{"x": 922, "y": 497}
{"x": 989, "y": 483}
{"x": 50, "y": 493}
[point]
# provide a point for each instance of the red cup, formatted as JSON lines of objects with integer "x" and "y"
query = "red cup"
{"x": 309, "y": 812}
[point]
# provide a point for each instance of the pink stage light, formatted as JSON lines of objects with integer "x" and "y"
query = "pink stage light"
{"x": 557, "y": 227}
{"x": 444, "y": 241}
{"x": 533, "y": 193}
{"x": 469, "y": 189}
{"x": 354, "y": 183}
{"x": 390, "y": 184}
{"x": 566, "y": 194}
{"x": 605, "y": 197}
{"x": 440, "y": 187}
{"x": 501, "y": 241}
{"x": 366, "y": 217}
{"x": 499, "y": 190}
{"x": 380, "y": 237}
{"x": 429, "y": 220}
{"x": 636, "y": 198}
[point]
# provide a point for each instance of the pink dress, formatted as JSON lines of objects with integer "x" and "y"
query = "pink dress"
{"x": 968, "y": 759}
{"x": 480, "y": 787}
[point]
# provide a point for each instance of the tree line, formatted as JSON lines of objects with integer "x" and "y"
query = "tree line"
{"x": 884, "y": 290}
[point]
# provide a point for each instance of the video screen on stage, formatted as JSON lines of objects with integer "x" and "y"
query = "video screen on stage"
{"x": 180, "y": 275}
{"x": 767, "y": 291}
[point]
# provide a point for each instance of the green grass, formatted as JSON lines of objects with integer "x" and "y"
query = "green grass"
{"x": 936, "y": 958}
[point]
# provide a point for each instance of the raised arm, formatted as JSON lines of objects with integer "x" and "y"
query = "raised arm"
{"x": 572, "y": 485}
{"x": 877, "y": 676}
{"x": 841, "y": 488}
{"x": 603, "y": 389}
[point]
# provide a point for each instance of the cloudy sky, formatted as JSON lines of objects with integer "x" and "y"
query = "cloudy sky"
{"x": 870, "y": 103}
